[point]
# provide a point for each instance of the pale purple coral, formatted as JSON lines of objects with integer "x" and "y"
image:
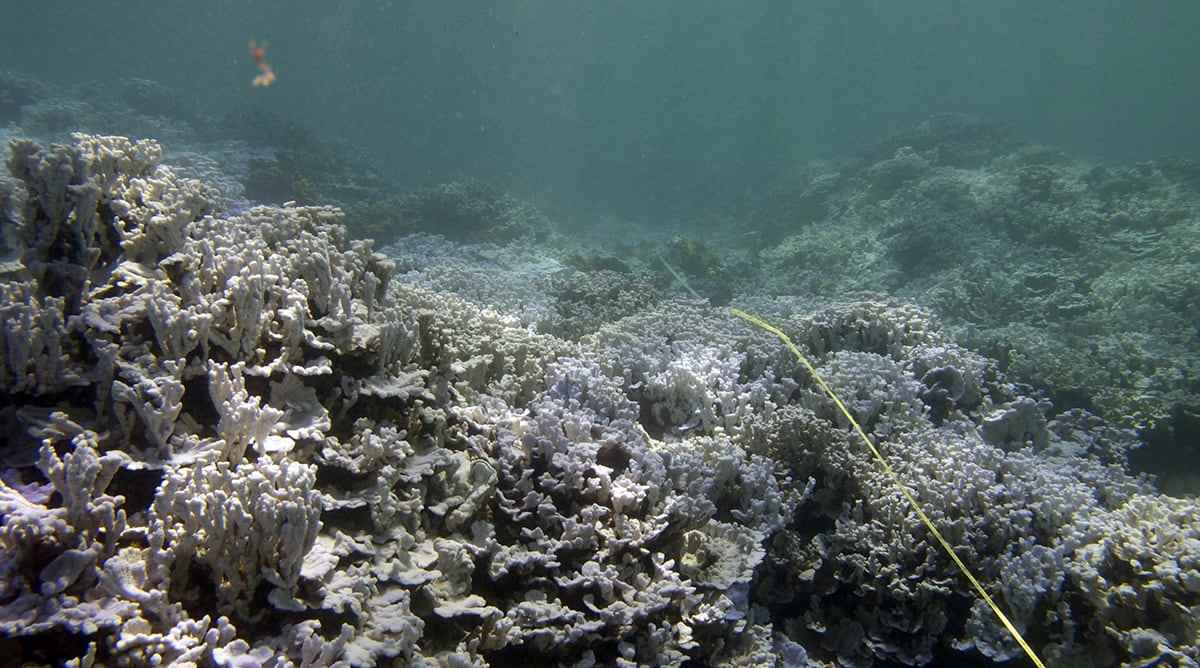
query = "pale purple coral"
{"x": 273, "y": 436}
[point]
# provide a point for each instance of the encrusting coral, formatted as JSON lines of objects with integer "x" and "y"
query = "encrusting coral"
{"x": 237, "y": 438}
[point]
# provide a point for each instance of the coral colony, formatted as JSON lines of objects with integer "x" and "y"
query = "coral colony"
{"x": 235, "y": 437}
{"x": 239, "y": 440}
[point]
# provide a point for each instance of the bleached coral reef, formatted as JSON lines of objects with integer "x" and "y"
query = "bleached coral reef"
{"x": 235, "y": 437}
{"x": 1079, "y": 276}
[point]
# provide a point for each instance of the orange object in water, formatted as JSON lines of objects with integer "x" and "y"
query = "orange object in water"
{"x": 266, "y": 76}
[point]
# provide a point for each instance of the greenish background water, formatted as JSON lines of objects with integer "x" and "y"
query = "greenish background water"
{"x": 646, "y": 108}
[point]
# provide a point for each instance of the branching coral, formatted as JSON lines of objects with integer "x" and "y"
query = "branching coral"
{"x": 240, "y": 439}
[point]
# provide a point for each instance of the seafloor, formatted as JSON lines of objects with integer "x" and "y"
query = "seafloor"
{"x": 238, "y": 433}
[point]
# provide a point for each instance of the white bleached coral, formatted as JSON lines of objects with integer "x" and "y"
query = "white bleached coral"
{"x": 248, "y": 525}
{"x": 252, "y": 445}
{"x": 33, "y": 341}
{"x": 51, "y": 551}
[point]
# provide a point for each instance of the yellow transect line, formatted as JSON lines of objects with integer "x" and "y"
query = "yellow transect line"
{"x": 899, "y": 485}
